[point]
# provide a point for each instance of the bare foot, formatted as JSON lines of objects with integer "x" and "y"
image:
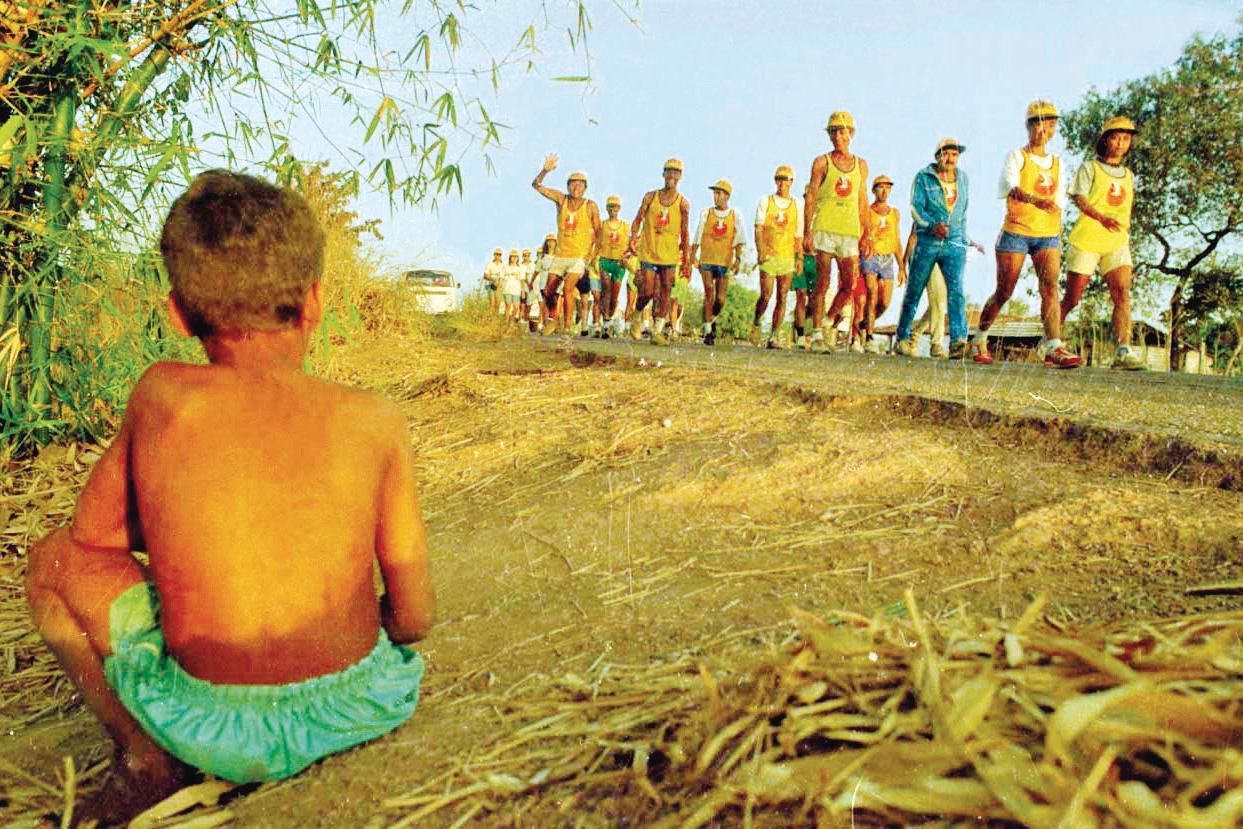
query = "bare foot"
{"x": 134, "y": 785}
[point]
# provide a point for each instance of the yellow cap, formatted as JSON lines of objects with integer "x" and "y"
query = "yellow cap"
{"x": 497, "y": 252}
{"x": 551, "y": 237}
{"x": 673, "y": 164}
{"x": 526, "y": 251}
{"x": 1118, "y": 123}
{"x": 1040, "y": 110}
{"x": 784, "y": 171}
{"x": 577, "y": 177}
{"x": 724, "y": 186}
{"x": 612, "y": 200}
{"x": 513, "y": 253}
{"x": 879, "y": 180}
{"x": 841, "y": 120}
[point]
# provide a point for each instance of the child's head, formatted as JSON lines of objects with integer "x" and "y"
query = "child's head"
{"x": 241, "y": 254}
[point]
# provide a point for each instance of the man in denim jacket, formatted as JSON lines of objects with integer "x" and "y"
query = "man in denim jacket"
{"x": 939, "y": 216}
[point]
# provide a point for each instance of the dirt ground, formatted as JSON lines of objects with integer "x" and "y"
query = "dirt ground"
{"x": 586, "y": 506}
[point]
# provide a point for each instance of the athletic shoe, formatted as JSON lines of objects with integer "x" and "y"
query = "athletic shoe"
{"x": 873, "y": 347}
{"x": 856, "y": 347}
{"x": 906, "y": 348}
{"x": 636, "y": 329}
{"x": 1128, "y": 360}
{"x": 979, "y": 353}
{"x": 604, "y": 331}
{"x": 710, "y": 338}
{"x": 659, "y": 338}
{"x": 958, "y": 350}
{"x": 586, "y": 332}
{"x": 1060, "y": 357}
{"x": 830, "y": 340}
{"x": 755, "y": 336}
{"x": 772, "y": 343}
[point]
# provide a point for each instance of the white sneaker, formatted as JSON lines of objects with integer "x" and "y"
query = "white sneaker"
{"x": 856, "y": 347}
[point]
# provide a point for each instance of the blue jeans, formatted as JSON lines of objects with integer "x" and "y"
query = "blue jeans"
{"x": 951, "y": 256}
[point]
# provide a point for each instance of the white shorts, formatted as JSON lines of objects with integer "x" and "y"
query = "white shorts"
{"x": 777, "y": 266}
{"x": 562, "y": 265}
{"x": 1081, "y": 261}
{"x": 835, "y": 244}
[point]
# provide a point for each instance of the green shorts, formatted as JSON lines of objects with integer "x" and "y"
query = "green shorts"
{"x": 613, "y": 269}
{"x": 250, "y": 733}
{"x": 805, "y": 280}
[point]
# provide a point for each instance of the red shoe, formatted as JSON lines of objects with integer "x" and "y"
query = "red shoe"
{"x": 979, "y": 353}
{"x": 1061, "y": 358}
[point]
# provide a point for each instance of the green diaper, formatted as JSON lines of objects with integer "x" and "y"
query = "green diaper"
{"x": 248, "y": 733}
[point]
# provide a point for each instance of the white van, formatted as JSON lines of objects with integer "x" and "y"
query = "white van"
{"x": 437, "y": 290}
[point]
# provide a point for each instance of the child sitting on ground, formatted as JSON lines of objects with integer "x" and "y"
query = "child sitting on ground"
{"x": 253, "y": 644}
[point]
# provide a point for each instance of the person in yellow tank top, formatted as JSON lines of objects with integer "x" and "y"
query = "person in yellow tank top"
{"x": 660, "y": 235}
{"x": 778, "y": 245}
{"x": 717, "y": 250}
{"x": 578, "y": 231}
{"x": 880, "y": 269}
{"x": 1035, "y": 194}
{"x": 1104, "y": 192}
{"x": 614, "y": 239}
{"x": 836, "y": 226}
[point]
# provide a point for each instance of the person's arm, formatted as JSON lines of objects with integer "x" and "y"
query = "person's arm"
{"x": 409, "y": 604}
{"x": 740, "y": 241}
{"x": 897, "y": 232}
{"x": 685, "y": 207}
{"x": 761, "y": 212}
{"x": 699, "y": 229}
{"x": 550, "y": 164}
{"x": 865, "y": 214}
{"x": 637, "y": 225}
{"x": 593, "y": 213}
{"x": 809, "y": 202}
{"x": 910, "y": 249}
{"x": 798, "y": 236}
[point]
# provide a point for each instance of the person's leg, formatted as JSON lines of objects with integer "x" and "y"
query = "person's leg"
{"x": 1076, "y": 284}
{"x": 922, "y": 261}
{"x": 552, "y": 301}
{"x": 722, "y": 294}
{"x": 884, "y": 296}
{"x": 1048, "y": 263}
{"x": 1119, "y": 282}
{"x": 761, "y": 304}
{"x": 847, "y": 273}
{"x": 869, "y": 307}
{"x": 936, "y": 307}
{"x": 952, "y": 261}
{"x": 709, "y": 283}
{"x": 800, "y": 312}
{"x": 71, "y": 591}
{"x": 1009, "y": 266}
{"x": 824, "y": 270}
{"x": 779, "y": 304}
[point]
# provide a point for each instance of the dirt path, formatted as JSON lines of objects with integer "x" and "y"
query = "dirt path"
{"x": 588, "y": 510}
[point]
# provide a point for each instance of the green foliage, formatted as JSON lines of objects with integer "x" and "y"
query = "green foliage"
{"x": 1186, "y": 157}
{"x": 739, "y": 311}
{"x": 105, "y": 107}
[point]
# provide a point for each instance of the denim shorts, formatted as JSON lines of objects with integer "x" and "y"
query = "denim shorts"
{"x": 1008, "y": 242}
{"x": 884, "y": 266}
{"x": 716, "y": 271}
{"x": 658, "y": 269}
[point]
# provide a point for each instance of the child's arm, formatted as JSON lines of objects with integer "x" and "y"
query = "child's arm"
{"x": 409, "y": 603}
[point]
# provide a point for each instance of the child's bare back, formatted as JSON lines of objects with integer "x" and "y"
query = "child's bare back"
{"x": 254, "y": 644}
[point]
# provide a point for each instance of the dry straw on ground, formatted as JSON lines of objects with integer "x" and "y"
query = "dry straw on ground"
{"x": 881, "y": 721}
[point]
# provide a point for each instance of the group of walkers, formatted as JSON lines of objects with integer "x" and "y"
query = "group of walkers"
{"x": 835, "y": 228}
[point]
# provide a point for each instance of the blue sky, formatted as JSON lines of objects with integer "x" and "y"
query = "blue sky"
{"x": 734, "y": 89}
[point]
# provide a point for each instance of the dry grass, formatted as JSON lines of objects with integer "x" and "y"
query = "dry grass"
{"x": 878, "y": 721}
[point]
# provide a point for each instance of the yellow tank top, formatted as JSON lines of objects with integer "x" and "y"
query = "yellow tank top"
{"x": 573, "y": 230}
{"x": 614, "y": 236}
{"x": 1113, "y": 196}
{"x": 779, "y": 229}
{"x": 716, "y": 239}
{"x": 1023, "y": 219}
{"x": 660, "y": 243}
{"x": 837, "y": 201}
{"x": 885, "y": 231}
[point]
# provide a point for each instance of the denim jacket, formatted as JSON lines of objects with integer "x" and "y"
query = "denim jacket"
{"x": 928, "y": 205}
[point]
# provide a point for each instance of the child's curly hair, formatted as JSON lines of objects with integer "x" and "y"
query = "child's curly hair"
{"x": 240, "y": 253}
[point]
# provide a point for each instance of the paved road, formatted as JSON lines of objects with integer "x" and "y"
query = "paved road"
{"x": 1203, "y": 411}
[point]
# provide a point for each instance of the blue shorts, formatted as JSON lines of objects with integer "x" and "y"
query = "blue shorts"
{"x": 717, "y": 271}
{"x": 659, "y": 269}
{"x": 1008, "y": 242}
{"x": 249, "y": 733}
{"x": 884, "y": 266}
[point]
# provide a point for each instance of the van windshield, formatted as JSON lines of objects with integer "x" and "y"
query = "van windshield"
{"x": 433, "y": 279}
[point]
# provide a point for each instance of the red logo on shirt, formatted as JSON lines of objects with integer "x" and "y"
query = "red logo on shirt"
{"x": 842, "y": 188}
{"x": 1044, "y": 184}
{"x": 613, "y": 237}
{"x": 781, "y": 219}
{"x": 662, "y": 219}
{"x": 1116, "y": 195}
{"x": 570, "y": 221}
{"x": 719, "y": 228}
{"x": 882, "y": 223}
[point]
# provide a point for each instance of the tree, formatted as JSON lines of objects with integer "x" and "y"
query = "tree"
{"x": 1214, "y": 307}
{"x": 1188, "y": 162}
{"x": 103, "y": 104}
